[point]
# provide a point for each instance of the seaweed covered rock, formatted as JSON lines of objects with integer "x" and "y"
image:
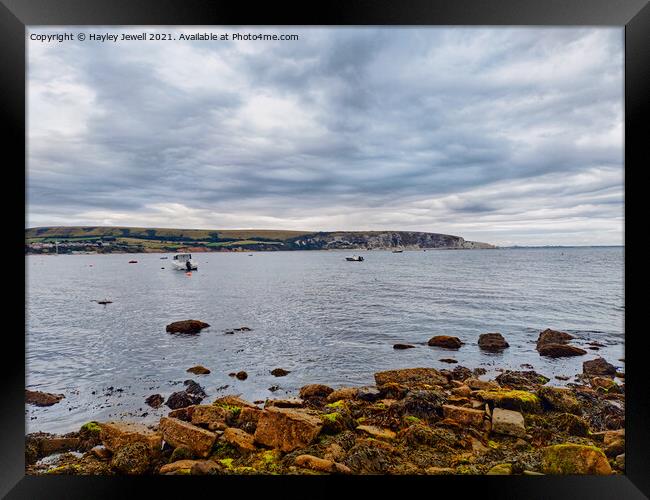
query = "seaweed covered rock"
{"x": 523, "y": 380}
{"x": 423, "y": 404}
{"x": 570, "y": 424}
{"x": 574, "y": 459}
{"x": 492, "y": 342}
{"x": 182, "y": 399}
{"x": 445, "y": 341}
{"x": 598, "y": 366}
{"x": 370, "y": 456}
{"x": 38, "y": 398}
{"x": 549, "y": 336}
{"x": 560, "y": 400}
{"x": 132, "y": 459}
{"x": 155, "y": 400}
{"x": 411, "y": 377}
{"x": 522, "y": 401}
{"x": 189, "y": 326}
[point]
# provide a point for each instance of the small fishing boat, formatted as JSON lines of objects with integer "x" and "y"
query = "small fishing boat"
{"x": 184, "y": 262}
{"x": 354, "y": 258}
{"x": 103, "y": 302}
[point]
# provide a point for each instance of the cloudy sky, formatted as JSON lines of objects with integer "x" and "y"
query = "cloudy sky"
{"x": 512, "y": 136}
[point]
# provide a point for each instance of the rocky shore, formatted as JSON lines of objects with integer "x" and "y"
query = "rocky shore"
{"x": 412, "y": 421}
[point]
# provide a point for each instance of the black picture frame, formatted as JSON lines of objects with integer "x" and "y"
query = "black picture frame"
{"x": 15, "y": 15}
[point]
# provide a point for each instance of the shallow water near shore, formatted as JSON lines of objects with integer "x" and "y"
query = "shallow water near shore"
{"x": 322, "y": 318}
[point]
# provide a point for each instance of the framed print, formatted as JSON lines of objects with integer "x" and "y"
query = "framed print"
{"x": 363, "y": 243}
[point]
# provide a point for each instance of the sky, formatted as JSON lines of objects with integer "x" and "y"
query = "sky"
{"x": 511, "y": 136}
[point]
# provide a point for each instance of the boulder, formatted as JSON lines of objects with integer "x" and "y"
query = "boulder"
{"x": 376, "y": 432}
{"x": 445, "y": 341}
{"x": 279, "y": 372}
{"x": 187, "y": 326}
{"x": 492, "y": 342}
{"x": 248, "y": 418}
{"x": 500, "y": 470}
{"x": 315, "y": 391}
{"x": 368, "y": 394}
{"x": 560, "y": 350}
{"x": 403, "y": 346}
{"x": 182, "y": 413}
{"x": 182, "y": 399}
{"x": 522, "y": 401}
{"x": 411, "y": 377}
{"x": 241, "y": 375}
{"x": 179, "y": 433}
{"x": 424, "y": 404}
{"x": 155, "y": 400}
{"x": 560, "y": 400}
{"x": 598, "y": 366}
{"x": 321, "y": 464}
{"x": 188, "y": 466}
{"x": 464, "y": 416}
{"x": 508, "y": 422}
{"x": 132, "y": 459}
{"x": 198, "y": 370}
{"x": 345, "y": 393}
{"x": 574, "y": 459}
{"x": 287, "y": 429}
{"x": 115, "y": 435}
{"x": 521, "y": 379}
{"x": 239, "y": 439}
{"x": 38, "y": 398}
{"x": 549, "y": 336}
{"x": 213, "y": 417}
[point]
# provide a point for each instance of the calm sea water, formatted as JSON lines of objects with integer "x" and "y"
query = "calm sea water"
{"x": 324, "y": 319}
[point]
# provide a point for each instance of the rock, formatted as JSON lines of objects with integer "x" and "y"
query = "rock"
{"x": 315, "y": 391}
{"x": 492, "y": 342}
{"x": 320, "y": 464}
{"x": 377, "y": 432}
{"x": 620, "y": 461}
{"x": 500, "y": 470}
{"x": 287, "y": 429}
{"x": 571, "y": 424}
{"x": 248, "y": 418}
{"x": 182, "y": 399}
{"x": 560, "y": 399}
{"x": 182, "y": 413}
{"x": 615, "y": 448}
{"x": 598, "y": 366}
{"x": 445, "y": 341}
{"x": 239, "y": 439}
{"x": 370, "y": 456}
{"x": 508, "y": 422}
{"x": 403, "y": 346}
{"x": 549, "y": 336}
{"x": 155, "y": 400}
{"x": 285, "y": 403}
{"x": 610, "y": 437}
{"x": 605, "y": 383}
{"x": 279, "y": 372}
{"x": 462, "y": 391}
{"x": 560, "y": 350}
{"x": 439, "y": 471}
{"x": 132, "y": 459}
{"x": 242, "y": 375}
{"x": 101, "y": 452}
{"x": 448, "y": 360}
{"x": 521, "y": 379}
{"x": 465, "y": 416}
{"x": 115, "y": 435}
{"x": 188, "y": 465}
{"x": 181, "y": 453}
{"x": 179, "y": 433}
{"x": 206, "y": 468}
{"x": 574, "y": 459}
{"x": 344, "y": 393}
{"x": 38, "y": 398}
{"x": 461, "y": 373}
{"x": 49, "y": 445}
{"x": 424, "y": 404}
{"x": 522, "y": 401}
{"x": 235, "y": 401}
{"x": 411, "y": 377}
{"x": 198, "y": 370}
{"x": 486, "y": 385}
{"x": 192, "y": 387}
{"x": 212, "y": 416}
{"x": 369, "y": 394}
{"x": 188, "y": 326}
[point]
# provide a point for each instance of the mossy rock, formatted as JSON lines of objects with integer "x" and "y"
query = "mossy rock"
{"x": 90, "y": 429}
{"x": 132, "y": 459}
{"x": 500, "y": 470}
{"x": 522, "y": 401}
{"x": 181, "y": 453}
{"x": 571, "y": 424}
{"x": 574, "y": 459}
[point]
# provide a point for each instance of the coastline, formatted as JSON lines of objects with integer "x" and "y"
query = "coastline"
{"x": 411, "y": 421}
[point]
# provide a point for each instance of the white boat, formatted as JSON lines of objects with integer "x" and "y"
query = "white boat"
{"x": 354, "y": 258}
{"x": 184, "y": 262}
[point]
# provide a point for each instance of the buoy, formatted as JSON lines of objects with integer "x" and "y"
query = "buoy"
{"x": 188, "y": 274}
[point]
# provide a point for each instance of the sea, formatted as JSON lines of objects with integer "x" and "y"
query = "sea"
{"x": 324, "y": 319}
